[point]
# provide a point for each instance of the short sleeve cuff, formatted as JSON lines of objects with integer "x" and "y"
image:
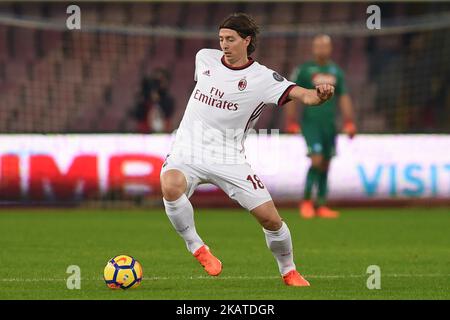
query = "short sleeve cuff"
{"x": 285, "y": 96}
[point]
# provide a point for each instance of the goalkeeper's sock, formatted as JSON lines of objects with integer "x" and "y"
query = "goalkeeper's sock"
{"x": 322, "y": 188}
{"x": 280, "y": 243}
{"x": 181, "y": 214}
{"x": 311, "y": 179}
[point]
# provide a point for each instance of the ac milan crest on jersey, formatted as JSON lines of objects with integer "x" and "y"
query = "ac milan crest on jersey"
{"x": 207, "y": 73}
{"x": 277, "y": 76}
{"x": 242, "y": 84}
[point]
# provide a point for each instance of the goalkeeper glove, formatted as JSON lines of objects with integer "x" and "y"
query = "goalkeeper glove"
{"x": 292, "y": 127}
{"x": 349, "y": 128}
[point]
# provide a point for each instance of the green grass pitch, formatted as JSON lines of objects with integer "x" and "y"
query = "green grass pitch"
{"x": 410, "y": 245}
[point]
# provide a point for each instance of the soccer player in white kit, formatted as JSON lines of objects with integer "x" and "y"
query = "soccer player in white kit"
{"x": 231, "y": 92}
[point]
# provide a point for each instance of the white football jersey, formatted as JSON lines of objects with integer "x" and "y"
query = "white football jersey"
{"x": 225, "y": 104}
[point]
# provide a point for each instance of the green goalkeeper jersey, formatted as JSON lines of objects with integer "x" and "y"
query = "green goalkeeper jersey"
{"x": 310, "y": 74}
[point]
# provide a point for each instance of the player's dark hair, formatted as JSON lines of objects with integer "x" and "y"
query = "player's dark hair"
{"x": 244, "y": 25}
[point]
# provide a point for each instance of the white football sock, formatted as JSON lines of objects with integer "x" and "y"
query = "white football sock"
{"x": 181, "y": 214}
{"x": 280, "y": 243}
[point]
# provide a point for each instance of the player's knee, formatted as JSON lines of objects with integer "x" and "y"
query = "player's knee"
{"x": 173, "y": 185}
{"x": 172, "y": 191}
{"x": 317, "y": 161}
{"x": 272, "y": 224}
{"x": 267, "y": 216}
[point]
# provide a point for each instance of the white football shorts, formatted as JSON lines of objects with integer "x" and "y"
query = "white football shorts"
{"x": 238, "y": 181}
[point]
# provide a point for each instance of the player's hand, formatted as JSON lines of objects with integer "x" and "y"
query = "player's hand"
{"x": 292, "y": 127}
{"x": 349, "y": 128}
{"x": 325, "y": 91}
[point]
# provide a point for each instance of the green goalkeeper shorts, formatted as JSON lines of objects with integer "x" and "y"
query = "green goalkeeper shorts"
{"x": 320, "y": 138}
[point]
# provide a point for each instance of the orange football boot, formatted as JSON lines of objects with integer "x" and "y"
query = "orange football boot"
{"x": 293, "y": 278}
{"x": 307, "y": 210}
{"x": 212, "y": 265}
{"x": 325, "y": 212}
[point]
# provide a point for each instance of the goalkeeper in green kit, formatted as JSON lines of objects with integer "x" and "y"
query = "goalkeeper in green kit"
{"x": 318, "y": 124}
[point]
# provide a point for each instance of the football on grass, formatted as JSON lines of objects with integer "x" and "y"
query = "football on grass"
{"x": 123, "y": 272}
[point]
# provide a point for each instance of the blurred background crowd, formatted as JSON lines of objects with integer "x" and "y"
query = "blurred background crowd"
{"x": 130, "y": 67}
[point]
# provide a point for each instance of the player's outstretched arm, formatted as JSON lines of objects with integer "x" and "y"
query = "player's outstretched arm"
{"x": 312, "y": 97}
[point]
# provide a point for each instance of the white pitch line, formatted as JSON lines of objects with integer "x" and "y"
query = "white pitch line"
{"x": 431, "y": 275}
